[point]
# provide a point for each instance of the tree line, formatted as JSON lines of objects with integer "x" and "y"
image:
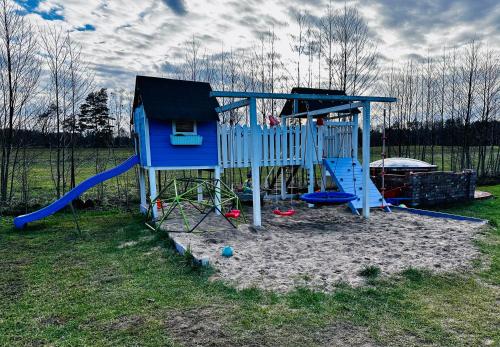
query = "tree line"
{"x": 447, "y": 107}
{"x": 49, "y": 99}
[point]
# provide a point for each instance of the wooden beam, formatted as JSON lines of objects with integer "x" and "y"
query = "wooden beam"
{"x": 232, "y": 106}
{"x": 366, "y": 159}
{"x": 256, "y": 157}
{"x": 255, "y": 95}
{"x": 332, "y": 109}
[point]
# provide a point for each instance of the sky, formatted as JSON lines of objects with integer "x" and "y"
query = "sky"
{"x": 123, "y": 38}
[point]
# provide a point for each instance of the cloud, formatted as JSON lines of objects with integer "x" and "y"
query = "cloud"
{"x": 177, "y": 6}
{"x": 41, "y": 8}
{"x": 86, "y": 27}
{"x": 127, "y": 37}
{"x": 416, "y": 23}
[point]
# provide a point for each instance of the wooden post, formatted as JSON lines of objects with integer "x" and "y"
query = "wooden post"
{"x": 283, "y": 157}
{"x": 309, "y": 153}
{"x": 256, "y": 158}
{"x": 366, "y": 158}
{"x": 142, "y": 189}
{"x": 323, "y": 178}
{"x": 218, "y": 200}
{"x": 200, "y": 187}
{"x": 152, "y": 192}
{"x": 354, "y": 137}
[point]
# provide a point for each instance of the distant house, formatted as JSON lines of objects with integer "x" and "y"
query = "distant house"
{"x": 176, "y": 123}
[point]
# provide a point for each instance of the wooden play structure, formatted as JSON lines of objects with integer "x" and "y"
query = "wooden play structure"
{"x": 177, "y": 128}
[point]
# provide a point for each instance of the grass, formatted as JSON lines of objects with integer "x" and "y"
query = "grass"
{"x": 118, "y": 284}
{"x": 370, "y": 272}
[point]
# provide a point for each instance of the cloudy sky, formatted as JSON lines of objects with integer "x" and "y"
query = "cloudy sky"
{"x": 122, "y": 38}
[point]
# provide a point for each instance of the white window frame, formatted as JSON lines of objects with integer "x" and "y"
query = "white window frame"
{"x": 175, "y": 132}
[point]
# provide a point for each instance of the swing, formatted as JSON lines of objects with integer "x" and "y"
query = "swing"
{"x": 234, "y": 214}
{"x": 290, "y": 212}
{"x": 328, "y": 198}
{"x": 332, "y": 198}
{"x": 287, "y": 213}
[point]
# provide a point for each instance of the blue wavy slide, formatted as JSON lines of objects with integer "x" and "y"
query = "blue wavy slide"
{"x": 21, "y": 221}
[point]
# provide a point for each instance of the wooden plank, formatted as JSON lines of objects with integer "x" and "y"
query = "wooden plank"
{"x": 278, "y": 142}
{"x": 246, "y": 146}
{"x": 285, "y": 144}
{"x": 225, "y": 162}
{"x": 265, "y": 145}
{"x": 272, "y": 159}
{"x": 258, "y": 95}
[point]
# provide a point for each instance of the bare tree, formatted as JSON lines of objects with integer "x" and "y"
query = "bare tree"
{"x": 327, "y": 41}
{"x": 55, "y": 49}
{"x": 356, "y": 57}
{"x": 79, "y": 85}
{"x": 297, "y": 43}
{"x": 19, "y": 74}
{"x": 192, "y": 57}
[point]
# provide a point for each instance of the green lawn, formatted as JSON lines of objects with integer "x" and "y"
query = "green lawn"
{"x": 117, "y": 284}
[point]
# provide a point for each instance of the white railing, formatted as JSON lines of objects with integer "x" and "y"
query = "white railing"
{"x": 338, "y": 140}
{"x": 282, "y": 145}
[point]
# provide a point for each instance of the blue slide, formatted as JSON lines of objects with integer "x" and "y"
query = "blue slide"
{"x": 341, "y": 170}
{"x": 21, "y": 221}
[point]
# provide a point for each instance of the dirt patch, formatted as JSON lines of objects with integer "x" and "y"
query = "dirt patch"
{"x": 12, "y": 285}
{"x": 53, "y": 321}
{"x": 126, "y": 323}
{"x": 200, "y": 327}
{"x": 319, "y": 248}
{"x": 343, "y": 335}
{"x": 209, "y": 326}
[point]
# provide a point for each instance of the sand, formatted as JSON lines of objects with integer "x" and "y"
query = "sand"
{"x": 322, "y": 247}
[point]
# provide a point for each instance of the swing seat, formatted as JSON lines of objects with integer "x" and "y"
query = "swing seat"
{"x": 288, "y": 213}
{"x": 233, "y": 214}
{"x": 328, "y": 198}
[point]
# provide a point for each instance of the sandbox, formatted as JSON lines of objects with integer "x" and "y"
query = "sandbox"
{"x": 322, "y": 247}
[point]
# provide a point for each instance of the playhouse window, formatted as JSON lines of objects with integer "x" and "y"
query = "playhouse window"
{"x": 184, "y": 127}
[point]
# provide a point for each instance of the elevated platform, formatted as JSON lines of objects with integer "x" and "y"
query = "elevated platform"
{"x": 341, "y": 170}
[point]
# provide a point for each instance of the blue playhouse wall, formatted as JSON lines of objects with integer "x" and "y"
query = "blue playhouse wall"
{"x": 139, "y": 122}
{"x": 163, "y": 153}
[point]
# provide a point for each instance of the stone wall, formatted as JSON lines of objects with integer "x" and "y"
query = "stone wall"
{"x": 432, "y": 188}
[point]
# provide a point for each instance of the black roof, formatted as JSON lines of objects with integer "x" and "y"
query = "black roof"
{"x": 311, "y": 105}
{"x": 170, "y": 99}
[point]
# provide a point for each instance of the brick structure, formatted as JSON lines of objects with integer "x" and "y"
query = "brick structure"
{"x": 432, "y": 188}
{"x": 429, "y": 188}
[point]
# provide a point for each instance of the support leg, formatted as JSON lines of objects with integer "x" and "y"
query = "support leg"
{"x": 283, "y": 183}
{"x": 256, "y": 157}
{"x": 152, "y": 192}
{"x": 142, "y": 189}
{"x": 366, "y": 158}
{"x": 218, "y": 200}
{"x": 310, "y": 188}
{"x": 323, "y": 178}
{"x": 200, "y": 186}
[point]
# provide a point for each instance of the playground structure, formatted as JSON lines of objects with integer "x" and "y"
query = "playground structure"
{"x": 176, "y": 127}
{"x": 188, "y": 191}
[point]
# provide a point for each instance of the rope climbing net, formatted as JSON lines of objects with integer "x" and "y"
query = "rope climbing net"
{"x": 190, "y": 196}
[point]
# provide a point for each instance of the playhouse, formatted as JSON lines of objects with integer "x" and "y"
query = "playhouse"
{"x": 176, "y": 126}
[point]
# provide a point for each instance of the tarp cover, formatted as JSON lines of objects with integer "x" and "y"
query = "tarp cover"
{"x": 402, "y": 163}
